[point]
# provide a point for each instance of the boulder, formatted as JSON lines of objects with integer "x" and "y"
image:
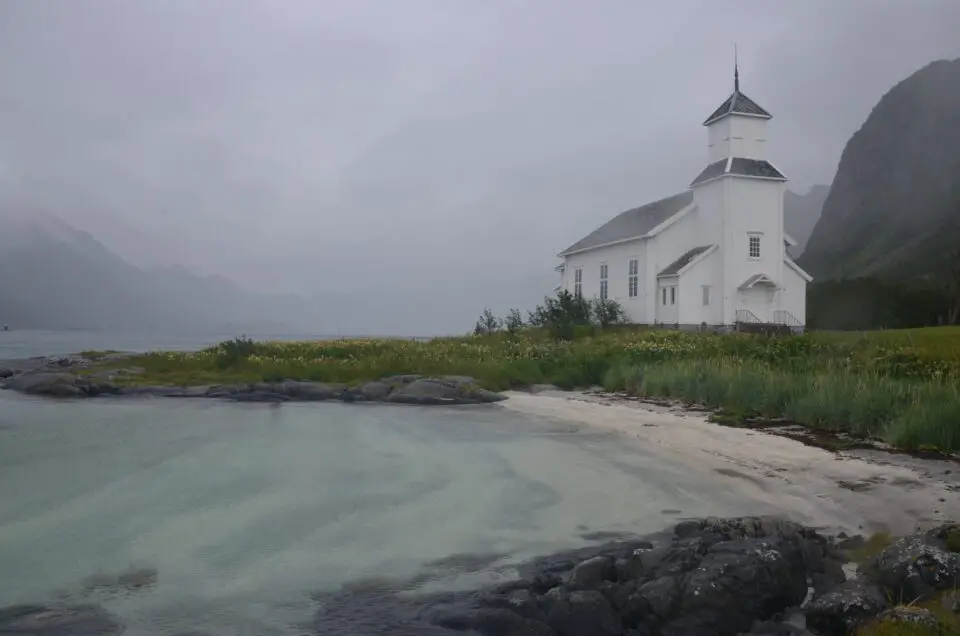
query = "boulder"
{"x": 589, "y": 574}
{"x": 840, "y": 610}
{"x": 583, "y": 613}
{"x": 375, "y": 391}
{"x": 442, "y": 391}
{"x": 51, "y": 384}
{"x": 5, "y": 373}
{"x": 307, "y": 391}
{"x": 917, "y": 566}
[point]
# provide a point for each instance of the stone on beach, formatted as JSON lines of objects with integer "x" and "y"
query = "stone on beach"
{"x": 55, "y": 378}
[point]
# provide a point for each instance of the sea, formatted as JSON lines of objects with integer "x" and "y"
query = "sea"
{"x": 206, "y": 517}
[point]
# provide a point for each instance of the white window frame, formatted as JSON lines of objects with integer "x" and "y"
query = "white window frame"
{"x": 706, "y": 294}
{"x": 578, "y": 282}
{"x": 604, "y": 273}
{"x": 673, "y": 294}
{"x": 754, "y": 238}
{"x": 633, "y": 277}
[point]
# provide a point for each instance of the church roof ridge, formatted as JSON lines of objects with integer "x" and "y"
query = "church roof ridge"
{"x": 737, "y": 104}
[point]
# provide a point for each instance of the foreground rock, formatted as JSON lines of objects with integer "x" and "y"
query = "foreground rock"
{"x": 59, "y": 379}
{"x": 712, "y": 577}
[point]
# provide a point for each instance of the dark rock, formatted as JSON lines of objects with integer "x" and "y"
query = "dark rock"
{"x": 642, "y": 561}
{"x": 222, "y": 390}
{"x": 442, "y": 391}
{"x": 397, "y": 381}
{"x": 917, "y": 566}
{"x": 50, "y": 620}
{"x": 307, "y": 391}
{"x": 584, "y": 613}
{"x": 6, "y": 373}
{"x": 738, "y": 582}
{"x": 45, "y": 383}
{"x": 544, "y": 582}
{"x": 195, "y": 391}
{"x": 154, "y": 391}
{"x": 840, "y": 610}
{"x": 911, "y": 615}
{"x": 375, "y": 391}
{"x": 589, "y": 574}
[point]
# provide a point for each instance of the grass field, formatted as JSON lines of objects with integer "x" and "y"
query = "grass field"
{"x": 898, "y": 386}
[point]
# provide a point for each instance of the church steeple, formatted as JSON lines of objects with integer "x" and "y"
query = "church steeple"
{"x": 737, "y": 138}
{"x": 737, "y": 103}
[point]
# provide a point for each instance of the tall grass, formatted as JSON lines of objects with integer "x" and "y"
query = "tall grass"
{"x": 906, "y": 413}
{"x": 867, "y": 384}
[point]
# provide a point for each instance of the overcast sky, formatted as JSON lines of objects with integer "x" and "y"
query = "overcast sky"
{"x": 446, "y": 146}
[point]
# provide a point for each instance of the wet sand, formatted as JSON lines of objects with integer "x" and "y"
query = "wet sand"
{"x": 859, "y": 491}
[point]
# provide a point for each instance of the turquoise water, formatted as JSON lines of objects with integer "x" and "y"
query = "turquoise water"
{"x": 246, "y": 511}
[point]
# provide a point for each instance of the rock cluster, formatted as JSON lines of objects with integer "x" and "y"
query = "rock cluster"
{"x": 59, "y": 380}
{"x": 712, "y": 577}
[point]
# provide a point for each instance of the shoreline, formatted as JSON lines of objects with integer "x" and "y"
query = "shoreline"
{"x": 857, "y": 491}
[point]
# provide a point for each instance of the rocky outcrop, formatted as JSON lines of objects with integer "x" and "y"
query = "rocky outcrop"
{"x": 892, "y": 208}
{"x": 712, "y": 577}
{"x": 757, "y": 576}
{"x": 63, "y": 378}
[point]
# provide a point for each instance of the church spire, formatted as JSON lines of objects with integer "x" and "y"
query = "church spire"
{"x": 737, "y": 103}
{"x": 736, "y": 71}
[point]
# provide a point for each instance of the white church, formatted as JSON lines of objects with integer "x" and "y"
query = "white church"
{"x": 712, "y": 255}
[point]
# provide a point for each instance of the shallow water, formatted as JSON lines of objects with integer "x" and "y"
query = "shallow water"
{"x": 248, "y": 511}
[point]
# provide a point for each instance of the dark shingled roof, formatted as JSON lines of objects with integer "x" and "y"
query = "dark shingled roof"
{"x": 634, "y": 223}
{"x": 740, "y": 167}
{"x": 738, "y": 104}
{"x": 674, "y": 268}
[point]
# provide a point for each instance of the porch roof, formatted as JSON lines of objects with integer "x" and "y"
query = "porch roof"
{"x": 757, "y": 279}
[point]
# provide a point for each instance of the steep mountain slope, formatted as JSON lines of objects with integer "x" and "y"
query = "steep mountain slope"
{"x": 53, "y": 276}
{"x": 896, "y": 198}
{"x": 801, "y": 213}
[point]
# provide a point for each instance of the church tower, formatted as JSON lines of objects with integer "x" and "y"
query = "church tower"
{"x": 739, "y": 195}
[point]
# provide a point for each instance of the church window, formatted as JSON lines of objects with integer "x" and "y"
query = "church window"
{"x": 706, "y": 294}
{"x": 578, "y": 282}
{"x": 673, "y": 295}
{"x": 633, "y": 275}
{"x": 754, "y": 246}
{"x": 663, "y": 294}
{"x": 603, "y": 282}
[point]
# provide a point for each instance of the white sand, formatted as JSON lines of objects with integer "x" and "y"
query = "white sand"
{"x": 855, "y": 491}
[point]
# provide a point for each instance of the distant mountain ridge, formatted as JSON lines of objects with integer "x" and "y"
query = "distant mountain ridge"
{"x": 801, "y": 213}
{"x": 54, "y": 276}
{"x": 894, "y": 207}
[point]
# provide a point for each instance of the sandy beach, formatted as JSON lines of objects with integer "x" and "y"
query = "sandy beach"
{"x": 861, "y": 491}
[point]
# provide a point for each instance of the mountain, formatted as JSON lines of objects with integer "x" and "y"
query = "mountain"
{"x": 801, "y": 213}
{"x": 54, "y": 276}
{"x": 893, "y": 209}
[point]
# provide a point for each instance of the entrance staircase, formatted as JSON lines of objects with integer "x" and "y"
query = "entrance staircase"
{"x": 784, "y": 323}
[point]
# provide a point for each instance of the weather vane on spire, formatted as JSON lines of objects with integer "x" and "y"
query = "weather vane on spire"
{"x": 736, "y": 70}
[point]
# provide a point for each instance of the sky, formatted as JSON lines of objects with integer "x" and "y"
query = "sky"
{"x": 428, "y": 156}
